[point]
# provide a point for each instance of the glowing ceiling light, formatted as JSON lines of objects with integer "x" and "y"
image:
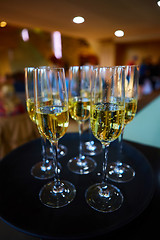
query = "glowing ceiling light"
{"x": 25, "y": 35}
{"x": 119, "y": 33}
{"x": 78, "y": 20}
{"x": 158, "y": 3}
{"x": 3, "y": 24}
{"x": 56, "y": 44}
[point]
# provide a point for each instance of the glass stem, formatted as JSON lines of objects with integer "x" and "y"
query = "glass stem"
{"x": 90, "y": 132}
{"x": 44, "y": 152}
{"x": 121, "y": 144}
{"x": 55, "y": 160}
{"x": 104, "y": 173}
{"x": 80, "y": 139}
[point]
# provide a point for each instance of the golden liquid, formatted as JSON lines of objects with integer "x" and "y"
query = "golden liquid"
{"x": 107, "y": 121}
{"x": 130, "y": 109}
{"x": 52, "y": 122}
{"x": 31, "y": 109}
{"x": 79, "y": 108}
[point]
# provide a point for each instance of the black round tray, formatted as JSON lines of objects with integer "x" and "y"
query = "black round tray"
{"x": 21, "y": 208}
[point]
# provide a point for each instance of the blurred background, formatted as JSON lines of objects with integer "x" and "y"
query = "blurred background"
{"x": 38, "y": 33}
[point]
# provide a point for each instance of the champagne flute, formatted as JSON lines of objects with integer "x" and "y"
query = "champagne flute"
{"x": 91, "y": 147}
{"x": 119, "y": 171}
{"x": 62, "y": 150}
{"x": 107, "y": 119}
{"x": 45, "y": 168}
{"x": 79, "y": 107}
{"x": 52, "y": 121}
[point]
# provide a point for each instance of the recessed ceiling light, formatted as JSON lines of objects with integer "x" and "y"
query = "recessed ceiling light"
{"x": 119, "y": 33}
{"x": 3, "y": 24}
{"x": 78, "y": 20}
{"x": 158, "y": 3}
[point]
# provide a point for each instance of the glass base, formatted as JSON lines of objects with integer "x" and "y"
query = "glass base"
{"x": 40, "y": 171}
{"x": 104, "y": 198}
{"x": 84, "y": 165}
{"x": 92, "y": 148}
{"x": 54, "y": 197}
{"x": 62, "y": 151}
{"x": 120, "y": 172}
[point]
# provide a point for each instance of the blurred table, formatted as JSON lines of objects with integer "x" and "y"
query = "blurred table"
{"x": 21, "y": 208}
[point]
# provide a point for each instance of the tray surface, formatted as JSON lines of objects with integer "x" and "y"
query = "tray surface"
{"x": 21, "y": 208}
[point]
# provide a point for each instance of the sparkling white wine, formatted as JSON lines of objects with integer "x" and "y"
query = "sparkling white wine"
{"x": 52, "y": 121}
{"x": 31, "y": 109}
{"x": 130, "y": 109}
{"x": 107, "y": 121}
{"x": 79, "y": 108}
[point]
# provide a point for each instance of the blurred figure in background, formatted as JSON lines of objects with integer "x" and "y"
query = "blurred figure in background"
{"x": 133, "y": 60}
{"x": 10, "y": 104}
{"x": 157, "y": 74}
{"x": 146, "y": 76}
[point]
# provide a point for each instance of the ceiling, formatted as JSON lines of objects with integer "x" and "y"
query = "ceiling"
{"x": 140, "y": 19}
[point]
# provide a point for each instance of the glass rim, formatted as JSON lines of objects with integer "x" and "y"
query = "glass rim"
{"x": 29, "y": 68}
{"x": 135, "y": 65}
{"x": 112, "y": 67}
{"x": 50, "y": 68}
{"x": 106, "y": 67}
{"x": 43, "y": 67}
{"x": 82, "y": 66}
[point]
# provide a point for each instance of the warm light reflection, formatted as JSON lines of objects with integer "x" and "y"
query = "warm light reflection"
{"x": 119, "y": 33}
{"x": 158, "y": 3}
{"x": 25, "y": 35}
{"x": 78, "y": 20}
{"x": 3, "y": 24}
{"x": 56, "y": 44}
